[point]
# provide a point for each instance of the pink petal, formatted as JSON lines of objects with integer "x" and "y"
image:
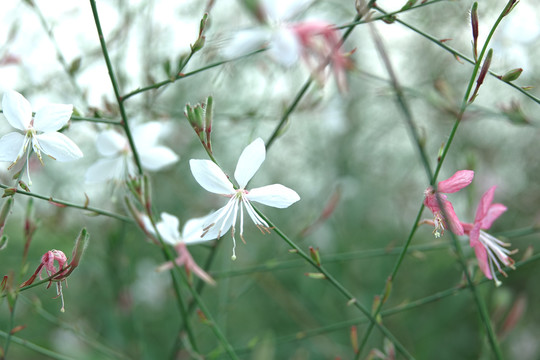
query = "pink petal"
{"x": 474, "y": 236}
{"x": 249, "y": 162}
{"x": 452, "y": 219}
{"x": 481, "y": 255}
{"x": 494, "y": 211}
{"x": 456, "y": 182}
{"x": 484, "y": 204}
{"x": 430, "y": 201}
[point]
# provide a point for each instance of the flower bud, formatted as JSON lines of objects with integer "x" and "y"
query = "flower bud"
{"x": 318, "y": 276}
{"x": 3, "y": 242}
{"x": 474, "y": 25}
{"x": 78, "y": 249}
{"x": 315, "y": 255}
{"x": 512, "y": 75}
{"x": 6, "y": 209}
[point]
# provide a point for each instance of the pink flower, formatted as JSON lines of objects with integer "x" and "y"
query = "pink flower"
{"x": 320, "y": 47}
{"x": 488, "y": 249}
{"x": 456, "y": 182}
{"x": 47, "y": 264}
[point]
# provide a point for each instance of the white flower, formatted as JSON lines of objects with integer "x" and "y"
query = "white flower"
{"x": 213, "y": 179}
{"x": 192, "y": 233}
{"x": 283, "y": 44}
{"x": 118, "y": 164}
{"x": 41, "y": 131}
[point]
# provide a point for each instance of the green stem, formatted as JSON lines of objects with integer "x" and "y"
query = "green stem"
{"x": 116, "y": 89}
{"x": 31, "y": 346}
{"x": 341, "y": 289}
{"x": 182, "y": 76}
{"x": 50, "y": 199}
{"x": 96, "y": 120}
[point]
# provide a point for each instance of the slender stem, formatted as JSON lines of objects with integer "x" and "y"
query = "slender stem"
{"x": 96, "y": 120}
{"x": 34, "y": 347}
{"x": 461, "y": 56}
{"x": 433, "y": 179}
{"x": 341, "y": 289}
{"x": 188, "y": 74}
{"x": 305, "y": 87}
{"x": 53, "y": 201}
{"x": 116, "y": 89}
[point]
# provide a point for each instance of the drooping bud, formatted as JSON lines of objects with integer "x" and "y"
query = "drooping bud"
{"x": 474, "y": 25}
{"x": 511, "y": 75}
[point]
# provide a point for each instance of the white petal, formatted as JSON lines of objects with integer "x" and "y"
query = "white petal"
{"x": 168, "y": 228}
{"x": 106, "y": 169}
{"x": 211, "y": 177}
{"x": 285, "y": 47}
{"x": 110, "y": 143}
{"x": 157, "y": 157}
{"x": 281, "y": 10}
{"x": 52, "y": 117}
{"x": 275, "y": 195}
{"x": 146, "y": 135}
{"x": 17, "y": 110}
{"x": 246, "y": 41}
{"x": 218, "y": 223}
{"x": 59, "y": 146}
{"x": 11, "y": 146}
{"x": 249, "y": 162}
{"x": 193, "y": 231}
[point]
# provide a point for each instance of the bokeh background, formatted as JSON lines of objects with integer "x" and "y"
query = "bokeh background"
{"x": 354, "y": 147}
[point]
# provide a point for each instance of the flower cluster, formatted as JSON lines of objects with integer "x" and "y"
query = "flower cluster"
{"x": 316, "y": 41}
{"x": 490, "y": 251}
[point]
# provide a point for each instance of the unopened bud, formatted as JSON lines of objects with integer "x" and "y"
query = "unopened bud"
{"x": 9, "y": 192}
{"x": 78, "y": 249}
{"x": 354, "y": 339}
{"x": 6, "y": 209}
{"x": 198, "y": 45}
{"x": 482, "y": 76}
{"x": 315, "y": 255}
{"x": 3, "y": 242}
{"x": 318, "y": 276}
{"x": 474, "y": 25}
{"x": 512, "y": 75}
{"x": 387, "y": 289}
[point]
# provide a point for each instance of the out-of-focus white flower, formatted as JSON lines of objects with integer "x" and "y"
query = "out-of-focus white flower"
{"x": 192, "y": 233}
{"x": 213, "y": 179}
{"x": 41, "y": 131}
{"x": 118, "y": 163}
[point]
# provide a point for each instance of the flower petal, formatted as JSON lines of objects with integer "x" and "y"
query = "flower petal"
{"x": 249, "y": 162}
{"x": 482, "y": 256}
{"x": 452, "y": 219}
{"x": 52, "y": 117}
{"x": 106, "y": 169}
{"x": 218, "y": 223}
{"x": 110, "y": 143}
{"x": 484, "y": 204}
{"x": 17, "y": 110}
{"x": 246, "y": 41}
{"x": 11, "y": 146}
{"x": 495, "y": 210}
{"x": 168, "y": 228}
{"x": 275, "y": 195}
{"x": 211, "y": 177}
{"x": 280, "y": 10}
{"x": 284, "y": 47}
{"x": 157, "y": 157}
{"x": 146, "y": 135}
{"x": 456, "y": 182}
{"x": 59, "y": 146}
{"x": 194, "y": 229}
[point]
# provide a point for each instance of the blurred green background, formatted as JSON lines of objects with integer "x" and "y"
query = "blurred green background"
{"x": 354, "y": 145}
